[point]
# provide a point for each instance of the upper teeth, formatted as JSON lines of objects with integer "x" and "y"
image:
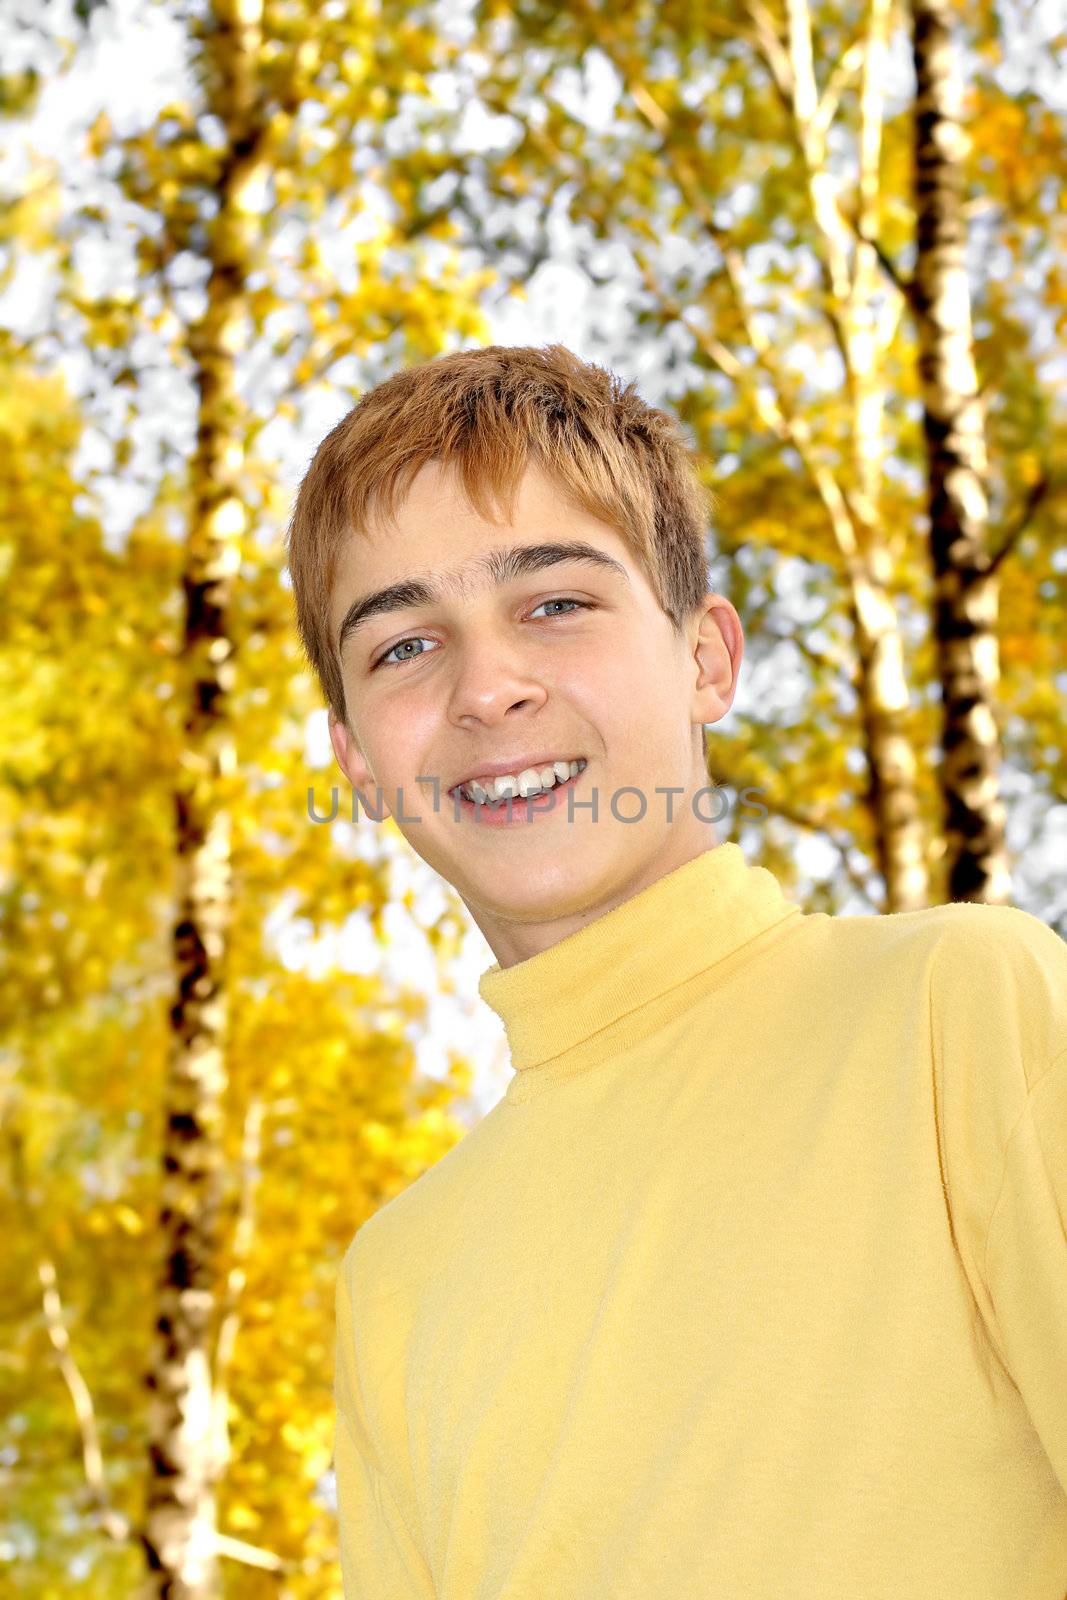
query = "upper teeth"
{"x": 531, "y": 780}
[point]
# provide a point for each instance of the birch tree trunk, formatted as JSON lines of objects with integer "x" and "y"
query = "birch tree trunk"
{"x": 966, "y": 589}
{"x": 882, "y": 683}
{"x": 850, "y": 281}
{"x": 187, "y": 1448}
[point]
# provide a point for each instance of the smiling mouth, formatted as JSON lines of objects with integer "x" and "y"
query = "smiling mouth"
{"x": 488, "y": 794}
{"x": 520, "y": 808}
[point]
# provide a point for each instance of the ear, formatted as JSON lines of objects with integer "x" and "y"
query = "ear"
{"x": 353, "y": 764}
{"x": 717, "y": 643}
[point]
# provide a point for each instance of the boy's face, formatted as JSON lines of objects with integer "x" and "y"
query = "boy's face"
{"x": 497, "y": 675}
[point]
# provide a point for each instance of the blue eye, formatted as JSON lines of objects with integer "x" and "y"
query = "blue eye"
{"x": 383, "y": 660}
{"x": 561, "y": 602}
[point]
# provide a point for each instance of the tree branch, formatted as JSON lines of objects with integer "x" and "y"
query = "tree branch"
{"x": 845, "y": 69}
{"x": 905, "y": 287}
{"x": 237, "y": 1277}
{"x": 768, "y": 42}
{"x": 250, "y": 1555}
{"x": 114, "y": 1523}
{"x": 810, "y": 117}
{"x": 1011, "y": 538}
{"x": 777, "y": 413}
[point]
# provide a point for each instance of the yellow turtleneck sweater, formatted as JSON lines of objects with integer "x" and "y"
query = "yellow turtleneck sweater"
{"x": 753, "y": 1286}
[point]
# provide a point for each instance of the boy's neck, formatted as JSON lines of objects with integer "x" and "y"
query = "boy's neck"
{"x": 513, "y": 940}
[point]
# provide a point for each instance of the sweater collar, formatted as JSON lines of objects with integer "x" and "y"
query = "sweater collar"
{"x": 687, "y": 921}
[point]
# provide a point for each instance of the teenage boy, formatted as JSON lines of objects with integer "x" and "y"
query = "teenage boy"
{"x": 754, "y": 1283}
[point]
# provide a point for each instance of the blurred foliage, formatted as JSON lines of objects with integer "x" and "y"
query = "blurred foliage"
{"x": 87, "y": 748}
{"x": 370, "y": 232}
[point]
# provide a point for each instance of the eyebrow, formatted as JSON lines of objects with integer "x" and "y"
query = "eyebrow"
{"x": 500, "y": 566}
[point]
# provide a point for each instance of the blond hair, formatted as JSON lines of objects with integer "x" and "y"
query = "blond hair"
{"x": 488, "y": 413}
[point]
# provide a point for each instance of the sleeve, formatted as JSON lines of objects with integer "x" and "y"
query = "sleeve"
{"x": 380, "y": 1559}
{"x": 1025, "y": 1265}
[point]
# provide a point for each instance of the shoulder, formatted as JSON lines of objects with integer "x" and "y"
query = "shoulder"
{"x": 972, "y": 941}
{"x": 1001, "y": 955}
{"x": 992, "y": 980}
{"x": 959, "y": 938}
{"x": 1000, "y": 934}
{"x": 998, "y": 988}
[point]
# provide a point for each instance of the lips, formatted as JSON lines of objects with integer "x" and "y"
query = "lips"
{"x": 530, "y": 771}
{"x": 516, "y": 810}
